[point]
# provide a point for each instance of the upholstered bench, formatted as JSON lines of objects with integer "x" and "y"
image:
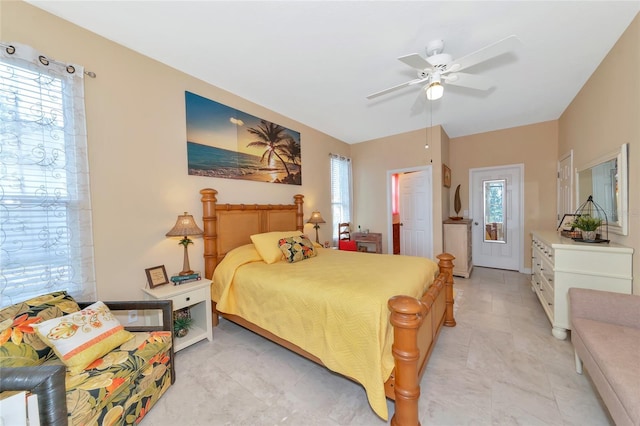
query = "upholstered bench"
{"x": 605, "y": 334}
{"x": 117, "y": 387}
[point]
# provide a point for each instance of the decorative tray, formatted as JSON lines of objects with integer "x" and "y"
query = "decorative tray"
{"x": 597, "y": 240}
{"x": 571, "y": 234}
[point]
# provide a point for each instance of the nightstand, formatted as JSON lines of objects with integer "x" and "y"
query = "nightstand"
{"x": 197, "y": 296}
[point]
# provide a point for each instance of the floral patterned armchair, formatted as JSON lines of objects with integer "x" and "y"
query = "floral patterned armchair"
{"x": 116, "y": 388}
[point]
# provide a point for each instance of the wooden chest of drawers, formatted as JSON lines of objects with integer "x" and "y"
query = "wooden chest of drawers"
{"x": 457, "y": 241}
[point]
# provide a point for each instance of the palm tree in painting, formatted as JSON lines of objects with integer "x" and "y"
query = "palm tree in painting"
{"x": 292, "y": 151}
{"x": 275, "y": 139}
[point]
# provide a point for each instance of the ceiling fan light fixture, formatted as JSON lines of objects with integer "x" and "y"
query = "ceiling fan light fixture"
{"x": 434, "y": 90}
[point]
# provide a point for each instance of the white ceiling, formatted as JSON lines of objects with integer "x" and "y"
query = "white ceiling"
{"x": 317, "y": 61}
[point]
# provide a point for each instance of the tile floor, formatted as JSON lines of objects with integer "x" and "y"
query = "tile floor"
{"x": 498, "y": 366}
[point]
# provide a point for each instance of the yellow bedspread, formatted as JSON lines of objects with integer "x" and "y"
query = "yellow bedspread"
{"x": 333, "y": 305}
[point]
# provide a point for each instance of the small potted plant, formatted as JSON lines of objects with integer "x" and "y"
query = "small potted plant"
{"x": 181, "y": 325}
{"x": 588, "y": 225}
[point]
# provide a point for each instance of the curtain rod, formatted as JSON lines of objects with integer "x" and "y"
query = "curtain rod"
{"x": 45, "y": 61}
{"x": 339, "y": 156}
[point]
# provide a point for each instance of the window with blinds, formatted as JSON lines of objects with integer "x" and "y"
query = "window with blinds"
{"x": 340, "y": 192}
{"x": 45, "y": 213}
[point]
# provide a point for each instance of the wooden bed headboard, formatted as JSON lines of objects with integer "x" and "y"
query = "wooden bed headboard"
{"x": 227, "y": 226}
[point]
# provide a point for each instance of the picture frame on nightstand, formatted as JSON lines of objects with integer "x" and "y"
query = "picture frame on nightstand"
{"x": 157, "y": 276}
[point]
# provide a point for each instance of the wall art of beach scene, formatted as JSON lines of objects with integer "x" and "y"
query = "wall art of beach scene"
{"x": 226, "y": 143}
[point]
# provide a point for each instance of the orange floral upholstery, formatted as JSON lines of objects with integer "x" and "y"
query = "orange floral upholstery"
{"x": 118, "y": 388}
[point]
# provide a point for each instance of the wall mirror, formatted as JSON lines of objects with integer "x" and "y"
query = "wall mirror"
{"x": 606, "y": 179}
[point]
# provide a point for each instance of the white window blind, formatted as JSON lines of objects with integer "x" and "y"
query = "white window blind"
{"x": 45, "y": 210}
{"x": 340, "y": 192}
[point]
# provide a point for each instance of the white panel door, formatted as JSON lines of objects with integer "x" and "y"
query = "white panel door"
{"x": 416, "y": 219}
{"x": 507, "y": 252}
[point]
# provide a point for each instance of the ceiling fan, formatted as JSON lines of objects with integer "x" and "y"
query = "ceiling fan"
{"x": 440, "y": 68}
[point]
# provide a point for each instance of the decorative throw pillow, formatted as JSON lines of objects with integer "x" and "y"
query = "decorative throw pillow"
{"x": 20, "y": 346}
{"x": 82, "y": 337}
{"x": 297, "y": 248}
{"x": 267, "y": 244}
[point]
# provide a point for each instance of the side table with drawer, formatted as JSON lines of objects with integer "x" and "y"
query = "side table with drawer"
{"x": 366, "y": 240}
{"x": 195, "y": 295}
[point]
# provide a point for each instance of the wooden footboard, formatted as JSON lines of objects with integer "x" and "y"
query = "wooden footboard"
{"x": 417, "y": 323}
{"x": 416, "y": 326}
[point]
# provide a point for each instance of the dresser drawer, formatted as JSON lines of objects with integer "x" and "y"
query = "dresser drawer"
{"x": 190, "y": 298}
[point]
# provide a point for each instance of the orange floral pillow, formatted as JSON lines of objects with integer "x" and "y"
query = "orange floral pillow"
{"x": 82, "y": 337}
{"x": 297, "y": 248}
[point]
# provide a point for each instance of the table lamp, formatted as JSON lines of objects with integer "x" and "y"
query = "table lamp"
{"x": 185, "y": 226}
{"x": 316, "y": 218}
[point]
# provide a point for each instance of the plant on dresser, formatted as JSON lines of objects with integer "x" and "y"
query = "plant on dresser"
{"x": 560, "y": 263}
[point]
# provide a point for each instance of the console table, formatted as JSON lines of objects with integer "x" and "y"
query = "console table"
{"x": 368, "y": 239}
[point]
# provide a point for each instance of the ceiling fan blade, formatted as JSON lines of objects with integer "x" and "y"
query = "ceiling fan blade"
{"x": 399, "y": 86}
{"x": 498, "y": 48}
{"x": 468, "y": 80}
{"x": 415, "y": 61}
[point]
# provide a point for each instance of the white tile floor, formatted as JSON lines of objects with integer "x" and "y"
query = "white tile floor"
{"x": 498, "y": 366}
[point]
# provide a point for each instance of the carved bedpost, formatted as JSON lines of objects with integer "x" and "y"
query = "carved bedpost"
{"x": 210, "y": 231}
{"x": 446, "y": 267}
{"x": 299, "y": 201}
{"x": 407, "y": 314}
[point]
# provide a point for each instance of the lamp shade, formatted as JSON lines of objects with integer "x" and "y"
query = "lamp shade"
{"x": 185, "y": 225}
{"x": 435, "y": 91}
{"x": 316, "y": 218}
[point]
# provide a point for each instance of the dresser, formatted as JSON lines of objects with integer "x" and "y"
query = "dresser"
{"x": 559, "y": 263}
{"x": 457, "y": 241}
{"x": 368, "y": 241}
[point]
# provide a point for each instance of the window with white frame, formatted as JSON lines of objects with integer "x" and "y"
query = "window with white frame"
{"x": 340, "y": 192}
{"x": 45, "y": 210}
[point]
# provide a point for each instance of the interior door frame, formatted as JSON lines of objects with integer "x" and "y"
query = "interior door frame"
{"x": 572, "y": 186}
{"x": 390, "y": 173}
{"x": 521, "y": 267}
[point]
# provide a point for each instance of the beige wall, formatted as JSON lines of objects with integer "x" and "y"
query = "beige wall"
{"x": 535, "y": 146}
{"x": 372, "y": 162}
{"x": 604, "y": 115}
{"x": 137, "y": 151}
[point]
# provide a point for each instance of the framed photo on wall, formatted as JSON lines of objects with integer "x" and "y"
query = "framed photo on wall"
{"x": 157, "y": 276}
{"x": 446, "y": 176}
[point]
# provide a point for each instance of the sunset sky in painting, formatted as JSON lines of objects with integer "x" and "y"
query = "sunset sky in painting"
{"x": 213, "y": 124}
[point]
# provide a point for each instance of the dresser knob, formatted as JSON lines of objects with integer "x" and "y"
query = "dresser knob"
{"x": 188, "y": 298}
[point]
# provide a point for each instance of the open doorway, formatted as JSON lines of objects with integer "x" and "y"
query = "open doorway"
{"x": 410, "y": 211}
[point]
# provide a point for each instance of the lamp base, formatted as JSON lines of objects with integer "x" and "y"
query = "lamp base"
{"x": 186, "y": 268}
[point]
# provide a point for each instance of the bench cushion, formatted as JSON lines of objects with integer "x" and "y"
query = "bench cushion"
{"x": 614, "y": 349}
{"x": 119, "y": 387}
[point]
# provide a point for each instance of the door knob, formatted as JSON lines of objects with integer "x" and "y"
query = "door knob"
{"x": 401, "y": 224}
{"x": 475, "y": 223}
